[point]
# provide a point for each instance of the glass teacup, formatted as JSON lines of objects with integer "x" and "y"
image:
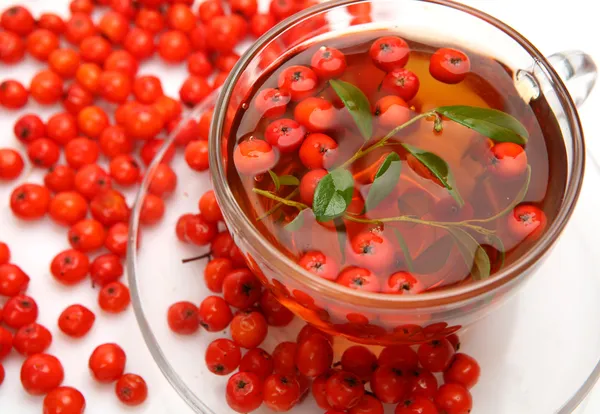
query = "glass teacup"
{"x": 403, "y": 319}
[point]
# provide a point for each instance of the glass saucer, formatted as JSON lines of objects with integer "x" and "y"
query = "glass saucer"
{"x": 538, "y": 353}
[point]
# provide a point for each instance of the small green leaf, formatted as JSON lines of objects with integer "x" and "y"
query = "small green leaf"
{"x": 340, "y": 228}
{"x": 439, "y": 168}
{"x": 386, "y": 178}
{"x": 357, "y": 103}
{"x": 474, "y": 255}
{"x": 496, "y": 242}
{"x": 404, "y": 247}
{"x": 289, "y": 180}
{"x": 491, "y": 123}
{"x": 515, "y": 201}
{"x": 297, "y": 223}
{"x": 333, "y": 195}
{"x": 275, "y": 179}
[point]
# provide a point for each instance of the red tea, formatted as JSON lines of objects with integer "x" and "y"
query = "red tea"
{"x": 388, "y": 165}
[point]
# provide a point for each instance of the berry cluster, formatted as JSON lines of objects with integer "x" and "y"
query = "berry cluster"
{"x": 91, "y": 60}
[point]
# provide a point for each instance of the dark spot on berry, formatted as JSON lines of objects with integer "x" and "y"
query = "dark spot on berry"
{"x": 385, "y": 47}
{"x": 247, "y": 289}
{"x": 455, "y": 61}
{"x": 241, "y": 384}
{"x": 326, "y": 54}
{"x": 296, "y": 76}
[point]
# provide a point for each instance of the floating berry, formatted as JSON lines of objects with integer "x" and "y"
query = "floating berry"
{"x": 402, "y": 82}
{"x": 389, "y": 53}
{"x": 526, "y": 221}
{"x": 449, "y": 65}
{"x": 315, "y": 114}
{"x": 254, "y": 156}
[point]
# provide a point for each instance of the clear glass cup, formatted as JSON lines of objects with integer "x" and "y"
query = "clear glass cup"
{"x": 388, "y": 319}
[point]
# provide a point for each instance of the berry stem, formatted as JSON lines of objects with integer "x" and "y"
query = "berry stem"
{"x": 362, "y": 152}
{"x": 284, "y": 201}
{"x": 278, "y": 205}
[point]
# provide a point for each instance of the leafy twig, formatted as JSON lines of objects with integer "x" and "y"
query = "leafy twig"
{"x": 284, "y": 201}
{"x": 278, "y": 205}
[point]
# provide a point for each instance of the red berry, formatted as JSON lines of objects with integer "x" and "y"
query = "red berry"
{"x": 67, "y": 208}
{"x": 401, "y": 283}
{"x": 114, "y": 297}
{"x": 70, "y": 267}
{"x": 285, "y": 134}
{"x": 43, "y": 152}
{"x": 261, "y": 23}
{"x": 275, "y": 313}
{"x": 404, "y": 83}
{"x": 367, "y": 405}
{"x": 314, "y": 356}
{"x": 131, "y": 389}
{"x": 241, "y": 289}
{"x": 389, "y": 384}
{"x": 244, "y": 392}
{"x": 300, "y": 81}
{"x": 11, "y": 164}
{"x": 210, "y": 9}
{"x": 109, "y": 207}
{"x": 194, "y": 90}
{"x": 526, "y": 221}
{"x": 153, "y": 209}
{"x": 215, "y": 272}
{"x": 453, "y": 399}
{"x": 309, "y": 331}
{"x": 359, "y": 361}
{"x": 315, "y": 114}
{"x": 41, "y": 373}
{"x": 463, "y": 370}
{"x": 209, "y": 209}
{"x": 91, "y": 180}
{"x": 328, "y": 62}
{"x": 92, "y": 120}
{"x": 19, "y": 311}
{"x": 76, "y": 321}
{"x": 196, "y": 155}
{"x": 13, "y": 280}
{"x": 391, "y": 111}
{"x": 164, "y": 180}
{"x": 435, "y": 356}
{"x": 222, "y": 34}
{"x": 64, "y": 400}
{"x": 140, "y": 43}
{"x": 272, "y": 103}
{"x": 222, "y": 357}
{"x": 6, "y": 342}
{"x": 4, "y": 256}
{"x": 249, "y": 329}
{"x": 284, "y": 358}
{"x": 318, "y": 151}
{"x": 12, "y": 48}
{"x": 389, "y": 53}
{"x": 29, "y": 127}
{"x": 214, "y": 314}
{"x": 449, "y": 65}
{"x": 422, "y": 383}
{"x": 87, "y": 235}
{"x": 199, "y": 231}
{"x": 281, "y": 393}
{"x": 106, "y": 269}
{"x": 117, "y": 239}
{"x": 32, "y": 339}
{"x": 17, "y": 19}
{"x": 359, "y": 279}
{"x": 282, "y": 9}
{"x": 224, "y": 246}
{"x": 257, "y": 361}
{"x": 254, "y": 156}
{"x": 30, "y": 201}
{"x": 316, "y": 262}
{"x": 372, "y": 250}
{"x": 416, "y": 405}
{"x": 507, "y": 160}
{"x": 183, "y": 318}
{"x": 173, "y": 46}
{"x": 121, "y": 61}
{"x": 46, "y": 88}
{"x": 344, "y": 390}
{"x": 62, "y": 128}
{"x": 76, "y": 97}
{"x": 107, "y": 363}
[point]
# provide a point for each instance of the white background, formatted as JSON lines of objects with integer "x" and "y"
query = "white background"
{"x": 552, "y": 28}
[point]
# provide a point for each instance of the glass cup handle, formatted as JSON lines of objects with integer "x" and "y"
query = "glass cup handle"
{"x": 578, "y": 71}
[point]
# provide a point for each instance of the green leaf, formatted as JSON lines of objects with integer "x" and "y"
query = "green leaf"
{"x": 386, "y": 178}
{"x": 515, "y": 201}
{"x": 357, "y": 103}
{"x": 474, "y": 255}
{"x": 439, "y": 168}
{"x": 275, "y": 179}
{"x": 297, "y": 223}
{"x": 333, "y": 195}
{"x": 497, "y": 243}
{"x": 289, "y": 180}
{"x": 491, "y": 123}
{"x": 342, "y": 234}
{"x": 407, "y": 258}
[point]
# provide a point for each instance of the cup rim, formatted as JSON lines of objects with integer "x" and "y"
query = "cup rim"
{"x": 232, "y": 210}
